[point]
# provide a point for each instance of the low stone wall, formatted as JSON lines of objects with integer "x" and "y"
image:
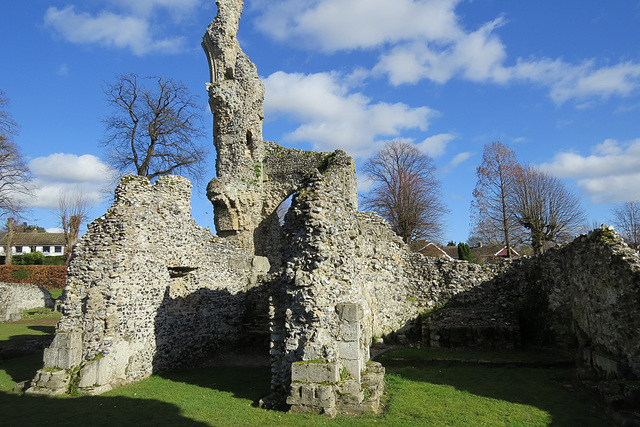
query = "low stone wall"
{"x": 17, "y": 297}
{"x": 585, "y": 295}
{"x": 147, "y": 289}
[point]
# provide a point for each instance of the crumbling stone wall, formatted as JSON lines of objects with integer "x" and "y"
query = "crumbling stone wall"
{"x": 147, "y": 289}
{"x": 347, "y": 278}
{"x": 17, "y": 297}
{"x": 253, "y": 176}
{"x": 584, "y": 295}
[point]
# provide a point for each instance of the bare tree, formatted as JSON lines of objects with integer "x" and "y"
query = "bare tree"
{"x": 73, "y": 211}
{"x": 8, "y": 250}
{"x": 8, "y": 126}
{"x": 153, "y": 131}
{"x": 491, "y": 214}
{"x": 14, "y": 174}
{"x": 405, "y": 191}
{"x": 626, "y": 218}
{"x": 544, "y": 206}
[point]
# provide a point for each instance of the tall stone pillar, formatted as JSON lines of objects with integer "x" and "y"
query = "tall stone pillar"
{"x": 236, "y": 95}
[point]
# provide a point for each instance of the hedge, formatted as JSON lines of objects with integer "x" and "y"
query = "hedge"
{"x": 48, "y": 260}
{"x": 48, "y": 276}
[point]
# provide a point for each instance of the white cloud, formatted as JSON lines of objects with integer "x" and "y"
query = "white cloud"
{"x": 70, "y": 168}
{"x": 610, "y": 174}
{"x": 578, "y": 81}
{"x": 333, "y": 25}
{"x": 435, "y": 146}
{"x": 332, "y": 117}
{"x": 61, "y": 172}
{"x": 146, "y": 7}
{"x": 110, "y": 30}
{"x": 426, "y": 39}
{"x": 457, "y": 160}
{"x": 476, "y": 56}
{"x": 612, "y": 189}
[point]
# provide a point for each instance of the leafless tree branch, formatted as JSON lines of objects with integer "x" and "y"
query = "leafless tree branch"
{"x": 406, "y": 191}
{"x": 154, "y": 130}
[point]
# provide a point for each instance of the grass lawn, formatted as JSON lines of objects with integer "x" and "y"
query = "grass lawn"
{"x": 419, "y": 393}
{"x": 55, "y": 293}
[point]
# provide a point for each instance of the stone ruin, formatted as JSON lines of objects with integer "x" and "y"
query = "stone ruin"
{"x": 17, "y": 297}
{"x": 148, "y": 289}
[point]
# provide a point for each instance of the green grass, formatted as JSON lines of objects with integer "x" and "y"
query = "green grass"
{"x": 418, "y": 393}
{"x": 428, "y": 355}
{"x": 35, "y": 324}
{"x": 55, "y": 293}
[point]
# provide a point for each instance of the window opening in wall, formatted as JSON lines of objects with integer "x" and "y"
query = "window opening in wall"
{"x": 180, "y": 271}
{"x": 281, "y": 211}
{"x": 58, "y": 249}
{"x": 46, "y": 249}
{"x": 32, "y": 248}
{"x": 19, "y": 249}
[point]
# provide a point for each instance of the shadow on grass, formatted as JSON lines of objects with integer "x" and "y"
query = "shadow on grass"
{"x": 49, "y": 330}
{"x": 24, "y": 367}
{"x": 544, "y": 388}
{"x": 251, "y": 383}
{"x": 90, "y": 411}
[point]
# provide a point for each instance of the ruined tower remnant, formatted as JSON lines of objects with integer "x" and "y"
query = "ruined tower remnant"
{"x": 253, "y": 176}
{"x": 235, "y": 96}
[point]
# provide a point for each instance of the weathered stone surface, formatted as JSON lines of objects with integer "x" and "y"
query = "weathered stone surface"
{"x": 50, "y": 382}
{"x": 17, "y": 297}
{"x": 253, "y": 176}
{"x": 65, "y": 351}
{"x": 148, "y": 289}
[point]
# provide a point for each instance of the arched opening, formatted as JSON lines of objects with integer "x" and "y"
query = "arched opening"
{"x": 282, "y": 209}
{"x": 250, "y": 144}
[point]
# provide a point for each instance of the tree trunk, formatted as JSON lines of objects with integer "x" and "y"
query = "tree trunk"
{"x": 72, "y": 236}
{"x": 8, "y": 254}
{"x": 537, "y": 241}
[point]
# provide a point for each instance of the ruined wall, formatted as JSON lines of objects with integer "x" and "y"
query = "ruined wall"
{"x": 253, "y": 176}
{"x": 17, "y": 297}
{"x": 584, "y": 295}
{"x": 235, "y": 97}
{"x": 347, "y": 278}
{"x": 147, "y": 289}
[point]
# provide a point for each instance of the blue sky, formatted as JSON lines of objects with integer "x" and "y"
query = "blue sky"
{"x": 556, "y": 81}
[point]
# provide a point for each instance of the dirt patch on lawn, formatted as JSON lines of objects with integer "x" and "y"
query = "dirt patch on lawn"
{"x": 44, "y": 322}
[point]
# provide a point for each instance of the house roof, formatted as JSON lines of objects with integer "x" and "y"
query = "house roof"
{"x": 503, "y": 252}
{"x": 491, "y": 251}
{"x": 429, "y": 249}
{"x": 36, "y": 239}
